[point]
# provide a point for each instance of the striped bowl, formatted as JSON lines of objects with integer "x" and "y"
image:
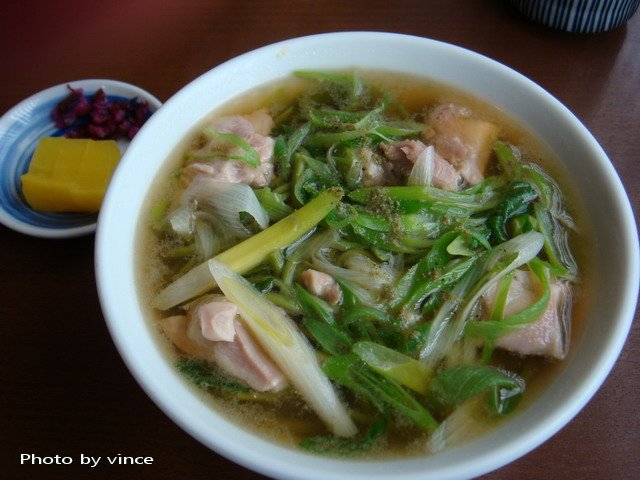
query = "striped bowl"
{"x": 20, "y": 129}
{"x": 579, "y": 16}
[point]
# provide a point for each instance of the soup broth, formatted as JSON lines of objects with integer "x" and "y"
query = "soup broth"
{"x": 423, "y": 286}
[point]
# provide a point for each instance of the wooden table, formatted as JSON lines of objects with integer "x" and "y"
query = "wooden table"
{"x": 65, "y": 390}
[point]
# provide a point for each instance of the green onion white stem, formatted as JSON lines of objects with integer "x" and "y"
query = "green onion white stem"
{"x": 251, "y": 252}
{"x": 286, "y": 346}
{"x": 450, "y": 320}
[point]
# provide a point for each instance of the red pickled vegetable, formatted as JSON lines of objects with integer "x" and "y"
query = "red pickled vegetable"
{"x": 99, "y": 118}
{"x": 68, "y": 111}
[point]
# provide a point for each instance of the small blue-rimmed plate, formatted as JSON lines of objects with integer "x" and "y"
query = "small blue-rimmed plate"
{"x": 20, "y": 129}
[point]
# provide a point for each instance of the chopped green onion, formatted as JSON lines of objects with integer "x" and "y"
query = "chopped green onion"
{"x": 516, "y": 201}
{"x": 350, "y": 371}
{"x": 495, "y": 327}
{"x": 509, "y": 163}
{"x": 456, "y": 385}
{"x": 397, "y": 366}
{"x": 449, "y": 323}
{"x": 273, "y": 204}
{"x": 251, "y": 252}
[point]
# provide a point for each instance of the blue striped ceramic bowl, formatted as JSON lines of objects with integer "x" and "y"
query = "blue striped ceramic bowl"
{"x": 20, "y": 129}
{"x": 579, "y": 16}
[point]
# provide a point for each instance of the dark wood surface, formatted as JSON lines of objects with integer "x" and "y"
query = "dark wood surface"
{"x": 65, "y": 390}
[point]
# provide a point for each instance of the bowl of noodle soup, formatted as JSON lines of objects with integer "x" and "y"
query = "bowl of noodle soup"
{"x": 528, "y": 115}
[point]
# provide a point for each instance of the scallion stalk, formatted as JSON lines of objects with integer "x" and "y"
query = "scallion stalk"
{"x": 450, "y": 321}
{"x": 251, "y": 252}
{"x": 286, "y": 346}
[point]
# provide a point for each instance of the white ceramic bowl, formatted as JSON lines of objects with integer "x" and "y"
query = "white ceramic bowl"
{"x": 593, "y": 354}
{"x": 20, "y": 130}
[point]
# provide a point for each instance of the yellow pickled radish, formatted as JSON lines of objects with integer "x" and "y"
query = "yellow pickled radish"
{"x": 69, "y": 175}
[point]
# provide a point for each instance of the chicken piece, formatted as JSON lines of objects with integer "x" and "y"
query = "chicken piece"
{"x": 176, "y": 329}
{"x": 407, "y": 152}
{"x": 547, "y": 336}
{"x": 261, "y": 121}
{"x": 242, "y": 126}
{"x": 216, "y": 318}
{"x": 241, "y": 358}
{"x": 231, "y": 171}
{"x": 322, "y": 285}
{"x": 463, "y": 141}
{"x": 244, "y": 359}
{"x": 236, "y": 124}
{"x": 445, "y": 176}
{"x": 374, "y": 171}
{"x": 235, "y": 171}
{"x": 404, "y": 153}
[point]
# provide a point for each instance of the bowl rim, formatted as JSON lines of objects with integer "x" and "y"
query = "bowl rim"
{"x": 89, "y": 221}
{"x": 264, "y": 462}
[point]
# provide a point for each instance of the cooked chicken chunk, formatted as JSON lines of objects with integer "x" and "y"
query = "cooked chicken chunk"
{"x": 176, "y": 329}
{"x": 322, "y": 285}
{"x": 216, "y": 319}
{"x": 547, "y": 336}
{"x": 251, "y": 128}
{"x": 407, "y": 152}
{"x": 235, "y": 351}
{"x": 463, "y": 141}
{"x": 243, "y": 358}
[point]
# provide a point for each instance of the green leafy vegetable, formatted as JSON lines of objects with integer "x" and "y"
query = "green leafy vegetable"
{"x": 509, "y": 163}
{"x": 552, "y": 220}
{"x": 344, "y": 447}
{"x": 412, "y": 287}
{"x": 284, "y": 150}
{"x": 555, "y": 243}
{"x": 458, "y": 384}
{"x": 319, "y": 322}
{"x": 394, "y": 365}
{"x": 346, "y": 91}
{"x": 202, "y": 374}
{"x": 482, "y": 197}
{"x": 516, "y": 201}
{"x": 351, "y": 372}
{"x": 273, "y": 203}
